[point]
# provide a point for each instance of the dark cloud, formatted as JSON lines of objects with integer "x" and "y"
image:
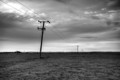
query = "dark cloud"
{"x": 115, "y": 20}
{"x": 20, "y": 34}
{"x": 111, "y": 19}
{"x": 14, "y": 27}
{"x": 115, "y": 34}
{"x": 86, "y": 28}
{"x": 113, "y": 4}
{"x": 88, "y": 37}
{"x": 10, "y": 19}
{"x": 95, "y": 17}
{"x": 113, "y": 23}
{"x": 110, "y": 35}
{"x": 10, "y": 30}
{"x": 33, "y": 35}
{"x": 63, "y": 1}
{"x": 2, "y": 39}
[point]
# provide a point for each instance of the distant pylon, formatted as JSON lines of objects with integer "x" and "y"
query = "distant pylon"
{"x": 43, "y": 28}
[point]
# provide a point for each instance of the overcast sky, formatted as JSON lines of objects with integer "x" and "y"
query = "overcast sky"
{"x": 94, "y": 25}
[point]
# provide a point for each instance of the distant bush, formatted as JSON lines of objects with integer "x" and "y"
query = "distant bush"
{"x": 18, "y": 52}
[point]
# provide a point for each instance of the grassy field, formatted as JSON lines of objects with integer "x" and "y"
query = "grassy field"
{"x": 60, "y": 66}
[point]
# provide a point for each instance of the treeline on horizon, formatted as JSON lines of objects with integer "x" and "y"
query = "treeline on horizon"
{"x": 94, "y": 52}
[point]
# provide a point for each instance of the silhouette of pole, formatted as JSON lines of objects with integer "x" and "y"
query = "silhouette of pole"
{"x": 42, "y": 33}
{"x": 77, "y": 48}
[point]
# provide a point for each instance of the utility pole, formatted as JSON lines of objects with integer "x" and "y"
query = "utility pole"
{"x": 77, "y": 48}
{"x": 82, "y": 50}
{"x": 43, "y": 29}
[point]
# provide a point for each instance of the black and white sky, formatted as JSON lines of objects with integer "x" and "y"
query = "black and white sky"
{"x": 94, "y": 25}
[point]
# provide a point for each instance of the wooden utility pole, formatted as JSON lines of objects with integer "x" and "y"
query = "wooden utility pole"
{"x": 43, "y": 29}
{"x": 77, "y": 48}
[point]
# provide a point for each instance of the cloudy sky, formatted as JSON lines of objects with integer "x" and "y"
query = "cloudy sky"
{"x": 94, "y": 25}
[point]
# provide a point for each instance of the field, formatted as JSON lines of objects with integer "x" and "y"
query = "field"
{"x": 60, "y": 66}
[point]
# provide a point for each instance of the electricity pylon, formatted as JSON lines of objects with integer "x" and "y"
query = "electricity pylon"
{"x": 43, "y": 29}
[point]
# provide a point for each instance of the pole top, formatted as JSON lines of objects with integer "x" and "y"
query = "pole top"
{"x": 43, "y": 21}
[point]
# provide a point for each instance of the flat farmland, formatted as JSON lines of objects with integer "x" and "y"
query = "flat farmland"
{"x": 60, "y": 66}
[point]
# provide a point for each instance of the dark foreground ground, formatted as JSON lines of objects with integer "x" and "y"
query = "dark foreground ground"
{"x": 60, "y": 66}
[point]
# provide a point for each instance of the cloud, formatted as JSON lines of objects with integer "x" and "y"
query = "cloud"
{"x": 114, "y": 19}
{"x": 11, "y": 17}
{"x": 10, "y": 21}
{"x": 111, "y": 18}
{"x": 88, "y": 37}
{"x": 63, "y": 1}
{"x": 112, "y": 35}
{"x": 86, "y": 28}
{"x": 110, "y": 23}
{"x": 95, "y": 17}
{"x": 71, "y": 22}
{"x": 19, "y": 11}
{"x": 113, "y": 4}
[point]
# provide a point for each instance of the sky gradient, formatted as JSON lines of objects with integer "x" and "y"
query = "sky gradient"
{"x": 94, "y": 25}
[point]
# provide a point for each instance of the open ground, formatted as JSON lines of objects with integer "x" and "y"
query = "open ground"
{"x": 60, "y": 66}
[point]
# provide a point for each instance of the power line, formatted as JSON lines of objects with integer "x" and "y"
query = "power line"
{"x": 37, "y": 14}
{"x": 25, "y": 6}
{"x": 18, "y": 9}
{"x": 63, "y": 39}
{"x": 34, "y": 13}
{"x": 57, "y": 34}
{"x": 29, "y": 9}
{"x": 22, "y": 4}
{"x": 11, "y": 6}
